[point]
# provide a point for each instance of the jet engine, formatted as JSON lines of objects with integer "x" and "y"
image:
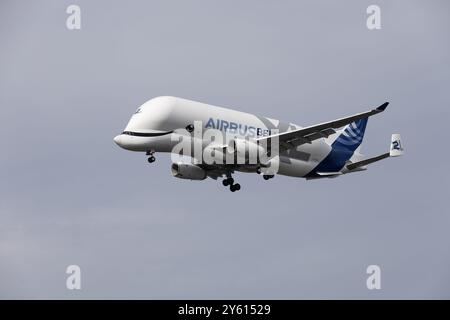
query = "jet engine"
{"x": 188, "y": 171}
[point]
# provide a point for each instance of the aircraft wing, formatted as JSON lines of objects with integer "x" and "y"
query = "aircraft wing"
{"x": 294, "y": 138}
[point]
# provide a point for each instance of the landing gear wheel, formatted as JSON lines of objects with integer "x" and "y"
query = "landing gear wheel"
{"x": 151, "y": 159}
{"x": 228, "y": 182}
{"x": 235, "y": 187}
{"x": 267, "y": 177}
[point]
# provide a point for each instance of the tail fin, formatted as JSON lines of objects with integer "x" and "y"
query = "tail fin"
{"x": 352, "y": 136}
{"x": 396, "y": 145}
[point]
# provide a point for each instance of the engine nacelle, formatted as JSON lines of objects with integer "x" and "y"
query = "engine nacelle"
{"x": 188, "y": 171}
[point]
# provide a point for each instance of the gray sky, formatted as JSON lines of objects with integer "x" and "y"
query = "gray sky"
{"x": 69, "y": 195}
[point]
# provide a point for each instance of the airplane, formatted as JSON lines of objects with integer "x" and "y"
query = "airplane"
{"x": 326, "y": 150}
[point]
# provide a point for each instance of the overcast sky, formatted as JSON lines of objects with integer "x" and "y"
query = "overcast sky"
{"x": 69, "y": 195}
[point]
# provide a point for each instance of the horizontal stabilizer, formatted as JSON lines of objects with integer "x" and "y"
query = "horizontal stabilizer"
{"x": 395, "y": 151}
{"x": 365, "y": 162}
{"x": 321, "y": 175}
{"x": 325, "y": 174}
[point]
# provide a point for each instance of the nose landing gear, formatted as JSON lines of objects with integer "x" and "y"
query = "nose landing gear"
{"x": 151, "y": 157}
{"x": 229, "y": 181}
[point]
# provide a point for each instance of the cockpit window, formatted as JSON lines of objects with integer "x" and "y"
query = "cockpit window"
{"x": 138, "y": 110}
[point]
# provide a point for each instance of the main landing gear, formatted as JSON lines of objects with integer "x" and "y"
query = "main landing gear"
{"x": 265, "y": 176}
{"x": 151, "y": 157}
{"x": 229, "y": 181}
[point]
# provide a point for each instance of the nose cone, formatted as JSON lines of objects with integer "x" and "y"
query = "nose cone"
{"x": 118, "y": 140}
{"x": 133, "y": 143}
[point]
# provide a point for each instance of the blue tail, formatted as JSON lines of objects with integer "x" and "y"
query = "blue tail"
{"x": 342, "y": 148}
{"x": 352, "y": 136}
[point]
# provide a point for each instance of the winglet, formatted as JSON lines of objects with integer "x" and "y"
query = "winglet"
{"x": 382, "y": 107}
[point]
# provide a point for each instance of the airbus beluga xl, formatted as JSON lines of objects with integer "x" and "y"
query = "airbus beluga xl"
{"x": 253, "y": 143}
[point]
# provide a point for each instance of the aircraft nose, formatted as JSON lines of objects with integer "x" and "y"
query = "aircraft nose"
{"x": 118, "y": 140}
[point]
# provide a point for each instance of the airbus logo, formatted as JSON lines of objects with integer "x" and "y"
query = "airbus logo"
{"x": 234, "y": 127}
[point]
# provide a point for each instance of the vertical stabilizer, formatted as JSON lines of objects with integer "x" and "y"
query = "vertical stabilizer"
{"x": 396, "y": 145}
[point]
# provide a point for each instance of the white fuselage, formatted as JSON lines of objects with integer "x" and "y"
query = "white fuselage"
{"x": 152, "y": 126}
